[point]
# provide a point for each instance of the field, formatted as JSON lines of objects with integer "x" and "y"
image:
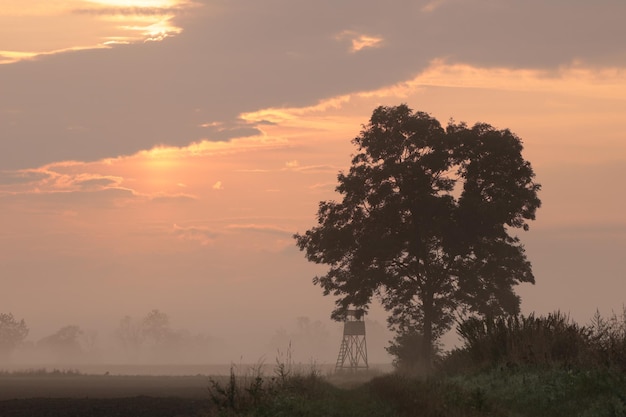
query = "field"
{"x": 90, "y": 386}
{"x": 61, "y": 395}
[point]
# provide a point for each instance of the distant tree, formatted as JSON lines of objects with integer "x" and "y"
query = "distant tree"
{"x": 12, "y": 334}
{"x": 65, "y": 343}
{"x": 155, "y": 327}
{"x": 425, "y": 224}
{"x": 129, "y": 334}
{"x": 151, "y": 335}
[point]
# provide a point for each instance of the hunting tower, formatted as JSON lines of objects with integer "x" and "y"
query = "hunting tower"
{"x": 353, "y": 350}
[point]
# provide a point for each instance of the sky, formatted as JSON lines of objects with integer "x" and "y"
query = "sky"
{"x": 160, "y": 154}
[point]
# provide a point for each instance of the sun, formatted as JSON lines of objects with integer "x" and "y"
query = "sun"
{"x": 161, "y": 158}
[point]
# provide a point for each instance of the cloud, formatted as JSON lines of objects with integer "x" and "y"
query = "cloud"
{"x": 360, "y": 41}
{"x": 96, "y": 183}
{"x": 218, "y": 186}
{"x": 164, "y": 197}
{"x": 200, "y": 234}
{"x": 129, "y": 11}
{"x": 315, "y": 168}
{"x": 432, "y": 5}
{"x": 235, "y": 59}
{"x": 323, "y": 186}
{"x": 62, "y": 201}
{"x": 226, "y": 133}
{"x": 261, "y": 228}
{"x": 22, "y": 177}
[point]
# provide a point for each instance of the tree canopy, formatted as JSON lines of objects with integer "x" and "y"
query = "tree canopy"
{"x": 426, "y": 223}
{"x": 12, "y": 333}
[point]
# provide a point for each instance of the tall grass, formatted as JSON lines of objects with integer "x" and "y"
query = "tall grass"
{"x": 539, "y": 340}
{"x": 608, "y": 339}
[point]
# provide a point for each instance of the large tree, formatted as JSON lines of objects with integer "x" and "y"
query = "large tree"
{"x": 427, "y": 223}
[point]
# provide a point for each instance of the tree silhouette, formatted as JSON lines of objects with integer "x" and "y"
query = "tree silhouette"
{"x": 65, "y": 343}
{"x": 425, "y": 224}
{"x": 12, "y": 333}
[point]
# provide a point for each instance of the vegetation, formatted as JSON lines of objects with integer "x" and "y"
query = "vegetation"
{"x": 12, "y": 333}
{"x": 514, "y": 366}
{"x": 426, "y": 224}
{"x": 41, "y": 372}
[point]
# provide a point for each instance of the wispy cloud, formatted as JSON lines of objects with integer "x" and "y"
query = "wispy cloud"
{"x": 313, "y": 168}
{"x": 203, "y": 235}
{"x": 261, "y": 228}
{"x": 48, "y": 180}
{"x": 160, "y": 197}
{"x": 128, "y": 11}
{"x": 360, "y": 41}
{"x": 22, "y": 177}
{"x": 323, "y": 186}
{"x": 96, "y": 183}
{"x": 433, "y": 5}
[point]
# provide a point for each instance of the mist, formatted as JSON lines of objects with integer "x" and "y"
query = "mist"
{"x": 156, "y": 343}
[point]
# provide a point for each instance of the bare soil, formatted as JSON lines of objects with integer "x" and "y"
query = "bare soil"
{"x": 100, "y": 396}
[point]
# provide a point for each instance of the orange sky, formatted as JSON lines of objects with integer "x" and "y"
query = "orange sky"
{"x": 169, "y": 186}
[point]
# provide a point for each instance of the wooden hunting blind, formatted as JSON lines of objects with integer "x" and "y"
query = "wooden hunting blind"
{"x": 353, "y": 350}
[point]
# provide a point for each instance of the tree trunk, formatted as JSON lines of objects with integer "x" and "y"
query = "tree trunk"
{"x": 427, "y": 340}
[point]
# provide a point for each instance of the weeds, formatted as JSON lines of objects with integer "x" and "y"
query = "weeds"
{"x": 254, "y": 390}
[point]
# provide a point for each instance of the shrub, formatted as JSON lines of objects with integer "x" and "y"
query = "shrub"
{"x": 608, "y": 339}
{"x": 516, "y": 340}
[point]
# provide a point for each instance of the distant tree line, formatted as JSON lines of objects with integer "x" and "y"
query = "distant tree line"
{"x": 147, "y": 339}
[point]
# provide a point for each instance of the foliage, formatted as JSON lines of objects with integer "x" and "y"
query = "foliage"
{"x": 425, "y": 223}
{"x": 432, "y": 397}
{"x": 523, "y": 391}
{"x": 519, "y": 339}
{"x": 608, "y": 339}
{"x": 286, "y": 393}
{"x": 153, "y": 329}
{"x": 552, "y": 340}
{"x": 550, "y": 391}
{"x": 65, "y": 343}
{"x": 152, "y": 339}
{"x": 129, "y": 334}
{"x": 12, "y": 333}
{"x": 405, "y": 348}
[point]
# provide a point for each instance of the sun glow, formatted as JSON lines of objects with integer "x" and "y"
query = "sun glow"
{"x": 161, "y": 160}
{"x": 136, "y": 3}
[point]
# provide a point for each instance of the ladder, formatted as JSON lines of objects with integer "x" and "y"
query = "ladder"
{"x": 342, "y": 354}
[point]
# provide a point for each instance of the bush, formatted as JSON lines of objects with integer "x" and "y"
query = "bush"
{"x": 529, "y": 340}
{"x": 517, "y": 340}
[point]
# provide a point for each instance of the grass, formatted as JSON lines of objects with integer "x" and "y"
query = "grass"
{"x": 498, "y": 391}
